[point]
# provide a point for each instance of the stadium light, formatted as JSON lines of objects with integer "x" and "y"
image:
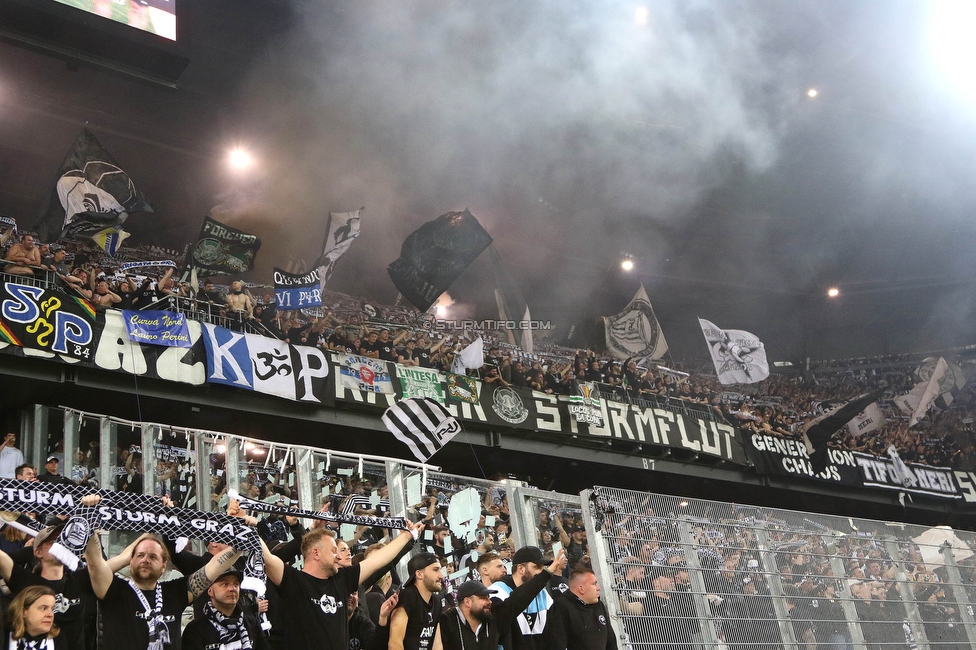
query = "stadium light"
{"x": 240, "y": 159}
{"x": 812, "y": 93}
{"x": 833, "y": 292}
{"x": 627, "y": 263}
{"x": 951, "y": 47}
{"x": 641, "y": 16}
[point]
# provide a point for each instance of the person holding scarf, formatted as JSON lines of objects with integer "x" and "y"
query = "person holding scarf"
{"x": 31, "y": 620}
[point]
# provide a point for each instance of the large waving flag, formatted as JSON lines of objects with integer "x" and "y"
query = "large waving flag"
{"x": 222, "y": 250}
{"x": 635, "y": 332}
{"x": 433, "y": 256}
{"x": 739, "y": 357}
{"x": 341, "y": 229}
{"x": 422, "y": 424}
{"x": 110, "y": 239}
{"x": 92, "y": 193}
{"x": 818, "y": 431}
{"x": 472, "y": 357}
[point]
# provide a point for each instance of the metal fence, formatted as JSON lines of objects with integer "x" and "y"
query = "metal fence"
{"x": 684, "y": 573}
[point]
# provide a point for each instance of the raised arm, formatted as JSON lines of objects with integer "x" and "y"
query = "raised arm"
{"x": 218, "y": 565}
{"x": 6, "y": 566}
{"x": 388, "y": 553}
{"x": 99, "y": 570}
{"x": 274, "y": 567}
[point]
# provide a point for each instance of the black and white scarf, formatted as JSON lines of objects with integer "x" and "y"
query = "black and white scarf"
{"x": 233, "y": 633}
{"x": 158, "y": 630}
{"x": 22, "y": 643}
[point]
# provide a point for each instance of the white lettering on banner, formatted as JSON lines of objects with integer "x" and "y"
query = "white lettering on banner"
{"x": 222, "y": 354}
{"x": 217, "y": 230}
{"x": 967, "y": 485}
{"x": 473, "y": 412}
{"x": 547, "y": 413}
{"x": 880, "y": 472}
{"x": 618, "y": 420}
{"x": 171, "y": 365}
{"x": 288, "y": 280}
{"x": 313, "y": 366}
{"x": 115, "y": 351}
{"x": 645, "y": 417}
{"x": 40, "y": 497}
{"x": 363, "y": 397}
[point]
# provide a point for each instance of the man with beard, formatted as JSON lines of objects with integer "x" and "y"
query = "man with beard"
{"x": 22, "y": 256}
{"x": 490, "y": 568}
{"x": 529, "y": 622}
{"x": 223, "y": 624}
{"x": 143, "y": 613}
{"x": 316, "y": 597}
{"x": 414, "y": 622}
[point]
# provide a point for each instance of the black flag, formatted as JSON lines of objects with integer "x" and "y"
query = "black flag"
{"x": 92, "y": 193}
{"x": 434, "y": 255}
{"x": 222, "y": 250}
{"x": 821, "y": 430}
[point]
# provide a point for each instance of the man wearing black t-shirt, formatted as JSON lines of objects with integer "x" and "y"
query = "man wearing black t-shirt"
{"x": 386, "y": 347}
{"x": 414, "y": 621}
{"x": 370, "y": 347}
{"x": 317, "y": 595}
{"x": 143, "y": 613}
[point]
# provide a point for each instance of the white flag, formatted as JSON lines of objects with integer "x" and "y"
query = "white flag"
{"x": 472, "y": 356}
{"x": 635, "y": 332}
{"x": 739, "y": 357}
{"x": 866, "y": 421}
{"x": 342, "y": 228}
{"x": 929, "y": 393}
{"x": 903, "y": 474}
{"x": 422, "y": 424}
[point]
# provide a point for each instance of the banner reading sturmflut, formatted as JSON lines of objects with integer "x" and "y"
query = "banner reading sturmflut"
{"x": 157, "y": 328}
{"x": 293, "y": 291}
{"x": 221, "y": 249}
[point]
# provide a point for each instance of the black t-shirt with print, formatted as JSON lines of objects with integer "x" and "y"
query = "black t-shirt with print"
{"x": 74, "y": 597}
{"x": 124, "y": 623}
{"x": 422, "y": 618}
{"x": 318, "y": 619}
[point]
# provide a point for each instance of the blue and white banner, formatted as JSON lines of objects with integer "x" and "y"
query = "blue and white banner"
{"x": 157, "y": 328}
{"x": 265, "y": 365}
{"x": 297, "y": 291}
{"x": 365, "y": 374}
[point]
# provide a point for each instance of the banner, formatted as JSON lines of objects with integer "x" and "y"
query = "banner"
{"x": 157, "y": 327}
{"x": 110, "y": 239}
{"x": 584, "y": 406}
{"x": 739, "y": 357}
{"x": 294, "y": 291}
{"x": 92, "y": 193}
{"x": 364, "y": 374}
{"x": 433, "y": 256}
{"x": 932, "y": 390}
{"x": 635, "y": 332}
{"x": 867, "y": 420}
{"x": 952, "y": 380}
{"x": 462, "y": 388}
{"x": 38, "y": 319}
{"x": 265, "y": 365}
{"x": 422, "y": 424}
{"x": 341, "y": 229}
{"x": 788, "y": 457}
{"x": 222, "y": 250}
{"x": 420, "y": 383}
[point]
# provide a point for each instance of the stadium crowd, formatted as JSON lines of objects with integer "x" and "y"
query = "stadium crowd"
{"x": 778, "y": 406}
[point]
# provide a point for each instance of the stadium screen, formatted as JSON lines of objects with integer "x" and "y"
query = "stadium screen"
{"x": 153, "y": 16}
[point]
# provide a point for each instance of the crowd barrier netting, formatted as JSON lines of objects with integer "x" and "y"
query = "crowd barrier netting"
{"x": 685, "y": 573}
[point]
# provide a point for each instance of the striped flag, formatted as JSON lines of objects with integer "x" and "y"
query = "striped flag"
{"x": 422, "y": 424}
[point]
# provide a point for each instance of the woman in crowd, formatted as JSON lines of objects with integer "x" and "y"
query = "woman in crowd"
{"x": 30, "y": 619}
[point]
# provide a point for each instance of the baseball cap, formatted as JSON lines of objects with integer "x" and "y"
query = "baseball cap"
{"x": 531, "y": 554}
{"x": 418, "y": 563}
{"x": 231, "y": 572}
{"x": 50, "y": 458}
{"x": 47, "y": 534}
{"x": 472, "y": 588}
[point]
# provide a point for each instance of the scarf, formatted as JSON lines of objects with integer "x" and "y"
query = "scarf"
{"x": 395, "y": 523}
{"x": 44, "y": 643}
{"x": 233, "y": 633}
{"x": 158, "y": 630}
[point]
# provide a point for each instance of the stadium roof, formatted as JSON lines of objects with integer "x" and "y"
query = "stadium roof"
{"x": 685, "y": 136}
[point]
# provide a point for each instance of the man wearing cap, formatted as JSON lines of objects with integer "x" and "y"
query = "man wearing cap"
{"x": 579, "y": 619}
{"x": 51, "y": 475}
{"x": 414, "y": 622}
{"x": 529, "y": 623}
{"x": 478, "y": 621}
{"x": 223, "y": 624}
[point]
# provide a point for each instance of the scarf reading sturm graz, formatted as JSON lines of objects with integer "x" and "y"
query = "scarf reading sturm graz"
{"x": 396, "y": 523}
{"x": 127, "y": 511}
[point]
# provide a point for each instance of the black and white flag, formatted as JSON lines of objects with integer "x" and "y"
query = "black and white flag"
{"x": 635, "y": 332}
{"x": 342, "y": 228}
{"x": 739, "y": 357}
{"x": 92, "y": 193}
{"x": 422, "y": 424}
